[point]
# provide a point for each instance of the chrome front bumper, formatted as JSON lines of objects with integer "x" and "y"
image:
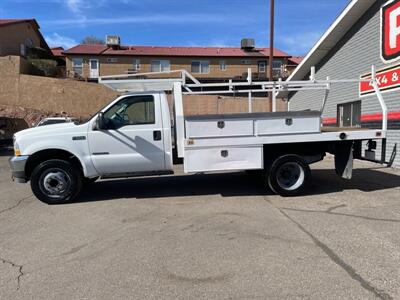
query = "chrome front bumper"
{"x": 17, "y": 165}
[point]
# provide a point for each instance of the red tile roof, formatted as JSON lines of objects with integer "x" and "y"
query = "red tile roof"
{"x": 5, "y": 22}
{"x": 87, "y": 49}
{"x": 296, "y": 60}
{"x": 172, "y": 51}
{"x": 57, "y": 51}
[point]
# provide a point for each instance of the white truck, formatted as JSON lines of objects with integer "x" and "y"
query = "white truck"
{"x": 132, "y": 136}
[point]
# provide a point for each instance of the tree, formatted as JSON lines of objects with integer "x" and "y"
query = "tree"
{"x": 92, "y": 40}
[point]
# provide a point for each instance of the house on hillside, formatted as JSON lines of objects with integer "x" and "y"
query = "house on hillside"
{"x": 205, "y": 63}
{"x": 59, "y": 56}
{"x": 58, "y": 53}
{"x": 293, "y": 62}
{"x": 22, "y": 37}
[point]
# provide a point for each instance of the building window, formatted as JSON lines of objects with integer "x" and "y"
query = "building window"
{"x": 262, "y": 65}
{"x": 277, "y": 65}
{"x": 349, "y": 114}
{"x": 77, "y": 65}
{"x": 222, "y": 65}
{"x": 136, "y": 64}
{"x": 246, "y": 62}
{"x": 201, "y": 67}
{"x": 160, "y": 66}
{"x": 112, "y": 60}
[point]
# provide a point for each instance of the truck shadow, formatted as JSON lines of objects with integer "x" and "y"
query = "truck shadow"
{"x": 227, "y": 185}
{"x": 231, "y": 185}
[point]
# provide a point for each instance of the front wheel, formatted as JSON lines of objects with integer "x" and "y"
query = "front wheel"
{"x": 288, "y": 175}
{"x": 56, "y": 181}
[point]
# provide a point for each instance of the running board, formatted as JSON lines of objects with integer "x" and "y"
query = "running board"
{"x": 136, "y": 174}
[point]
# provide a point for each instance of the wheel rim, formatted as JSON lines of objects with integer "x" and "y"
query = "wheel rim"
{"x": 290, "y": 176}
{"x": 55, "y": 183}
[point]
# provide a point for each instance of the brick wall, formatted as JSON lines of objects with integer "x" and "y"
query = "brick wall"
{"x": 75, "y": 98}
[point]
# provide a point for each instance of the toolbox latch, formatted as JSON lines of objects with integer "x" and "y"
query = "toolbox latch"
{"x": 289, "y": 122}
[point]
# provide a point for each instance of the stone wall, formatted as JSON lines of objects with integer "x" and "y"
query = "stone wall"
{"x": 59, "y": 96}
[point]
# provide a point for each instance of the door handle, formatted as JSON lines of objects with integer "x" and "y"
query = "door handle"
{"x": 157, "y": 135}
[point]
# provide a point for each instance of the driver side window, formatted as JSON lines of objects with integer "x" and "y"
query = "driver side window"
{"x": 137, "y": 110}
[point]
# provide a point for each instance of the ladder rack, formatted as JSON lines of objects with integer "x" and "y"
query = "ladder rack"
{"x": 131, "y": 83}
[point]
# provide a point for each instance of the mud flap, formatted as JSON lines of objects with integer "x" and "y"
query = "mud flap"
{"x": 344, "y": 159}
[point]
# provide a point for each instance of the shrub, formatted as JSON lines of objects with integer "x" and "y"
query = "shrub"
{"x": 44, "y": 67}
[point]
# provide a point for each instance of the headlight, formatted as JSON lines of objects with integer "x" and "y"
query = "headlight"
{"x": 17, "y": 152}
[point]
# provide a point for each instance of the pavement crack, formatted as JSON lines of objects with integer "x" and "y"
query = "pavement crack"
{"x": 330, "y": 212}
{"x": 19, "y": 267}
{"x": 15, "y": 205}
{"x": 330, "y": 209}
{"x": 339, "y": 261}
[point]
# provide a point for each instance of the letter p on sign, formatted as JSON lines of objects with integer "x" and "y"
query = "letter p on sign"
{"x": 391, "y": 31}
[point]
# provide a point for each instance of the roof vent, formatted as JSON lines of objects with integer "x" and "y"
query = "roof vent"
{"x": 247, "y": 44}
{"x": 113, "y": 40}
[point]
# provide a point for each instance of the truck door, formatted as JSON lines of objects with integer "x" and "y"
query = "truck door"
{"x": 133, "y": 140}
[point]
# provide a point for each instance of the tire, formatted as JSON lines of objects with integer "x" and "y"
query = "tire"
{"x": 56, "y": 181}
{"x": 288, "y": 175}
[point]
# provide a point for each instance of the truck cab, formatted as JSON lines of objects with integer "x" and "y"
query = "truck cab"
{"x": 132, "y": 136}
{"x": 129, "y": 137}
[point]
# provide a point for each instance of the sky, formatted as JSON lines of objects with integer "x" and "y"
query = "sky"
{"x": 299, "y": 23}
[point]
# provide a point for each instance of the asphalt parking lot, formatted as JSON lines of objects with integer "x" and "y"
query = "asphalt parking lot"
{"x": 205, "y": 237}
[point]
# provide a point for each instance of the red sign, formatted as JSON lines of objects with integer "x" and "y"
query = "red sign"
{"x": 390, "y": 34}
{"x": 387, "y": 79}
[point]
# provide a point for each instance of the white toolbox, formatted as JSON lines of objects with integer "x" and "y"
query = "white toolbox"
{"x": 252, "y": 124}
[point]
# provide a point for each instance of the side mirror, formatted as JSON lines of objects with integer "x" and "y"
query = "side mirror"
{"x": 100, "y": 123}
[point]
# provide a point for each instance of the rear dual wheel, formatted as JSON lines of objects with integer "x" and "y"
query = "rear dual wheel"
{"x": 288, "y": 175}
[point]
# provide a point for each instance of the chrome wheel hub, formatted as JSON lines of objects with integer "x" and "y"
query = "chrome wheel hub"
{"x": 56, "y": 182}
{"x": 290, "y": 176}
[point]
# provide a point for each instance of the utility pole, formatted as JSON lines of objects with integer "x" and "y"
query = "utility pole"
{"x": 271, "y": 45}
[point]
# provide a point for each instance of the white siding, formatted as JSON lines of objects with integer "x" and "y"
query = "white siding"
{"x": 353, "y": 56}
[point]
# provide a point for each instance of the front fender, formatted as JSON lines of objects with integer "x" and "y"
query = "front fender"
{"x": 79, "y": 151}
